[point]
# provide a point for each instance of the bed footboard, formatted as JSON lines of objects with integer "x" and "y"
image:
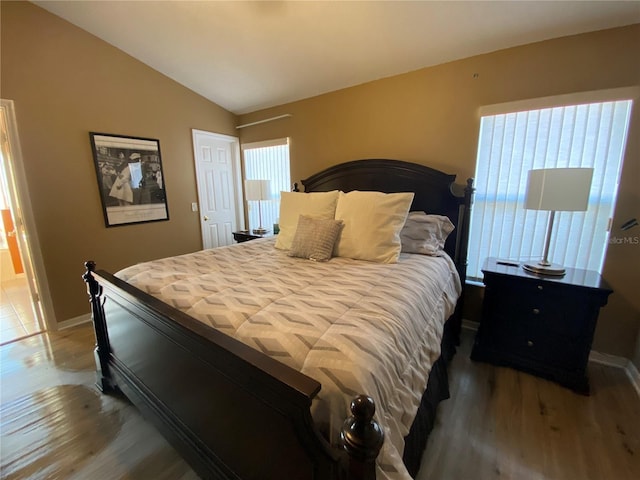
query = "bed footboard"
{"x": 232, "y": 412}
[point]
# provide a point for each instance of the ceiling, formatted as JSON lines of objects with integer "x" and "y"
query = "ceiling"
{"x": 246, "y": 56}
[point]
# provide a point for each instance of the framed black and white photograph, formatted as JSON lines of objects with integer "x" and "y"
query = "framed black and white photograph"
{"x": 130, "y": 179}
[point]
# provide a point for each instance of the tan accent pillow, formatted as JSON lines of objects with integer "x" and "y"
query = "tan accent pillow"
{"x": 425, "y": 234}
{"x": 372, "y": 224}
{"x": 294, "y": 204}
{"x": 315, "y": 238}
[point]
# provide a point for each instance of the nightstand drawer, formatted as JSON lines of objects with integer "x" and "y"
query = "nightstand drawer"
{"x": 533, "y": 346}
{"x": 554, "y": 310}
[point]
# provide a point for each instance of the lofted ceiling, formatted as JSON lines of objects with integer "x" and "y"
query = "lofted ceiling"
{"x": 246, "y": 56}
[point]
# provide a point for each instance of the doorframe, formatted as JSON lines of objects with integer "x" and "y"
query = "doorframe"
{"x": 22, "y": 213}
{"x": 237, "y": 174}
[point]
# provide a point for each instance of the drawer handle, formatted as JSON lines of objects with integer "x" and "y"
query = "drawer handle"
{"x": 529, "y": 343}
{"x": 536, "y": 311}
{"x": 540, "y": 287}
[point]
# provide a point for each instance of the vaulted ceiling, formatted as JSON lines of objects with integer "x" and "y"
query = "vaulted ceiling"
{"x": 246, "y": 56}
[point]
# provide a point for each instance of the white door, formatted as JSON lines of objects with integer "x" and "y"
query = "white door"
{"x": 217, "y": 162}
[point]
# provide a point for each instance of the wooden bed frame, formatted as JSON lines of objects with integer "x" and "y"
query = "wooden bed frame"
{"x": 231, "y": 411}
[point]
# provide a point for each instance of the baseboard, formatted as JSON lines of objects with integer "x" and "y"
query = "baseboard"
{"x": 74, "y": 322}
{"x": 595, "y": 357}
{"x": 606, "y": 359}
{"x": 634, "y": 376}
{"x": 469, "y": 325}
{"x": 620, "y": 362}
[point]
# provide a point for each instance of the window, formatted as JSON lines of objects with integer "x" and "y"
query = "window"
{"x": 510, "y": 144}
{"x": 267, "y": 160}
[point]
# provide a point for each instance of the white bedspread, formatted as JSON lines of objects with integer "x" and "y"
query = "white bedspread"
{"x": 354, "y": 326}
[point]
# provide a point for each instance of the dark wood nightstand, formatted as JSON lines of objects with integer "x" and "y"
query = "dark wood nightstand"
{"x": 539, "y": 324}
{"x": 246, "y": 235}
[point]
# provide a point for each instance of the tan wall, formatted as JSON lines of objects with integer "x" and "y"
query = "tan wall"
{"x": 430, "y": 116}
{"x": 66, "y": 83}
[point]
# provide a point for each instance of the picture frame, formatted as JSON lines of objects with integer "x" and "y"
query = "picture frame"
{"x": 130, "y": 178}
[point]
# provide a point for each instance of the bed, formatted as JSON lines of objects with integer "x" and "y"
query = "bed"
{"x": 229, "y": 401}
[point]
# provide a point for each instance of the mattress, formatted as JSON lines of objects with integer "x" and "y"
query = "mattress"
{"x": 354, "y": 326}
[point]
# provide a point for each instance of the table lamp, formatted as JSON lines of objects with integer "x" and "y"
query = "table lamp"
{"x": 556, "y": 189}
{"x": 257, "y": 191}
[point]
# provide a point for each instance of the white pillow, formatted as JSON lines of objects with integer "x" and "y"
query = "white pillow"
{"x": 425, "y": 234}
{"x": 372, "y": 224}
{"x": 294, "y": 204}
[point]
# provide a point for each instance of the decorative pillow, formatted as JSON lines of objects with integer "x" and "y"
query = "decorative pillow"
{"x": 294, "y": 204}
{"x": 425, "y": 234}
{"x": 372, "y": 224}
{"x": 315, "y": 238}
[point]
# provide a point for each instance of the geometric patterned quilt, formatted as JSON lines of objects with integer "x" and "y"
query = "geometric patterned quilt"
{"x": 354, "y": 326}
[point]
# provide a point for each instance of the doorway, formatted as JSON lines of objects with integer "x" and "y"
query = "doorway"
{"x": 21, "y": 313}
{"x": 217, "y": 161}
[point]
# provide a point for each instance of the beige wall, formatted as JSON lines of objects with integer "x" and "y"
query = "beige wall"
{"x": 430, "y": 116}
{"x": 66, "y": 83}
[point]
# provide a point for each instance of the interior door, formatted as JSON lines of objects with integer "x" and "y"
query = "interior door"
{"x": 219, "y": 193}
{"x": 11, "y": 239}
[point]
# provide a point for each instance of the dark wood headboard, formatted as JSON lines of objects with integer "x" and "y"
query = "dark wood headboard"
{"x": 434, "y": 193}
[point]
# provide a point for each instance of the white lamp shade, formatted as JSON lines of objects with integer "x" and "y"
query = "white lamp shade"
{"x": 559, "y": 189}
{"x": 257, "y": 189}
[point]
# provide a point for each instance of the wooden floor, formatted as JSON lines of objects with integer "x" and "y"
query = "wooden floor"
{"x": 17, "y": 318}
{"x": 500, "y": 423}
{"x": 504, "y": 424}
{"x": 55, "y": 424}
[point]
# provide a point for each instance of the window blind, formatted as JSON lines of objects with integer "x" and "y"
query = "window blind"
{"x": 267, "y": 161}
{"x": 510, "y": 144}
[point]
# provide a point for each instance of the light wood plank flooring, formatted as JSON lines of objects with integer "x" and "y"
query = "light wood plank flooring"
{"x": 503, "y": 424}
{"x": 17, "y": 318}
{"x": 55, "y": 424}
{"x": 499, "y": 423}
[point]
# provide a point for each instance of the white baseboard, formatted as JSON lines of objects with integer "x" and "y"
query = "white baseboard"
{"x": 634, "y": 376}
{"x": 620, "y": 362}
{"x": 75, "y": 321}
{"x": 469, "y": 325}
{"x": 606, "y": 359}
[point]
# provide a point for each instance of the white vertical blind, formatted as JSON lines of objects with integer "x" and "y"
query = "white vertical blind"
{"x": 587, "y": 135}
{"x": 267, "y": 161}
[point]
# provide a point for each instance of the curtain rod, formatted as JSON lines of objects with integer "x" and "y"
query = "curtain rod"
{"x": 265, "y": 120}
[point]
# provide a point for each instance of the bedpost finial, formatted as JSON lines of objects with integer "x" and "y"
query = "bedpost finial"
{"x": 90, "y": 267}
{"x": 361, "y": 435}
{"x": 363, "y": 408}
{"x": 93, "y": 288}
{"x": 470, "y": 188}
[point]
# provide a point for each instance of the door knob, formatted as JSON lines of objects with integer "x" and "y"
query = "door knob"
{"x": 206, "y": 219}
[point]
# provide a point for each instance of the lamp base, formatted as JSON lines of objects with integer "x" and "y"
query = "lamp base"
{"x": 259, "y": 231}
{"x": 545, "y": 269}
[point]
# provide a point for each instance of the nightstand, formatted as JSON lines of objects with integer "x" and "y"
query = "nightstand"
{"x": 246, "y": 235}
{"x": 539, "y": 324}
